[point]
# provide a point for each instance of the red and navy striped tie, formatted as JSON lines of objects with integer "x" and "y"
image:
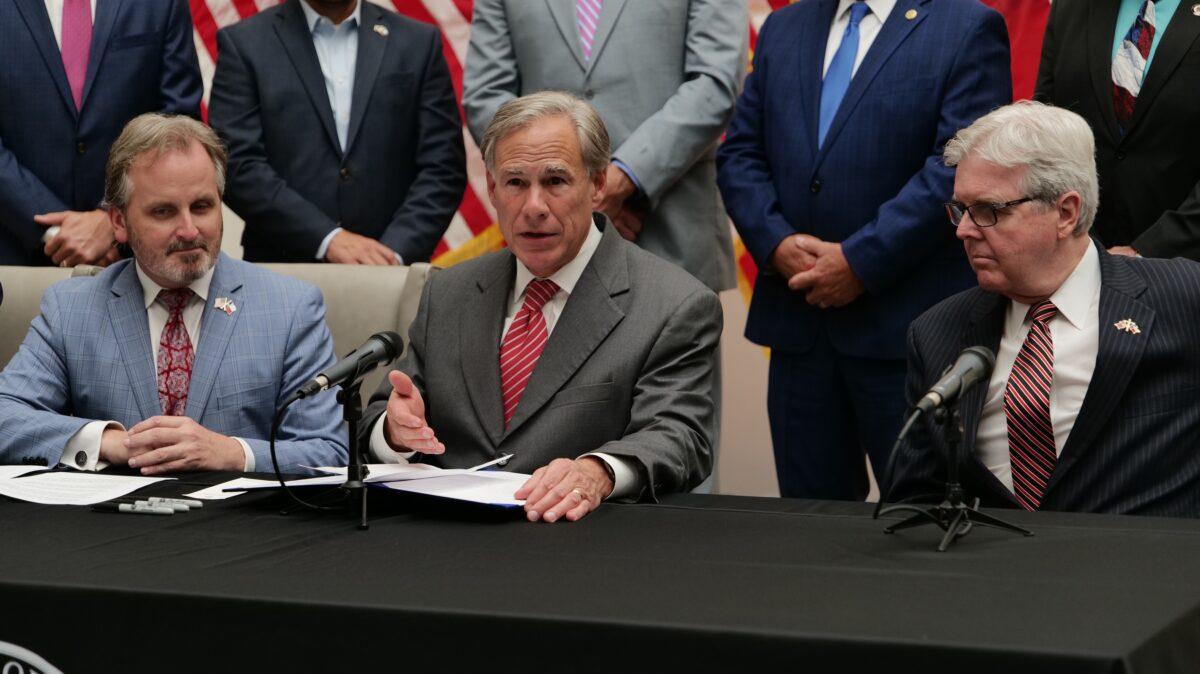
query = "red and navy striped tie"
{"x": 1027, "y": 409}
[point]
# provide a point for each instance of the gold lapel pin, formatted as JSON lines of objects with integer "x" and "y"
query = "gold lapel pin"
{"x": 1128, "y": 326}
{"x": 381, "y": 29}
{"x": 225, "y": 304}
{"x": 912, "y": 14}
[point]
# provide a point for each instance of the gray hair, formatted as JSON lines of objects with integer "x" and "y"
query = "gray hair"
{"x": 156, "y": 133}
{"x": 519, "y": 113}
{"x": 1055, "y": 146}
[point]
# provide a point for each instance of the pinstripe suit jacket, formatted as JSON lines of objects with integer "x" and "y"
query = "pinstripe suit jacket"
{"x": 88, "y": 356}
{"x": 1133, "y": 446}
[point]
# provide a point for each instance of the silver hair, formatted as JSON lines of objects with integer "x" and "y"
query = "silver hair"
{"x": 1055, "y": 146}
{"x": 519, "y": 113}
{"x": 156, "y": 133}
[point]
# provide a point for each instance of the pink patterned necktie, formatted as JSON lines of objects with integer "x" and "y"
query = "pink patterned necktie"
{"x": 523, "y": 345}
{"x": 175, "y": 354}
{"x": 76, "y": 44}
{"x": 587, "y": 17}
{"x": 1027, "y": 409}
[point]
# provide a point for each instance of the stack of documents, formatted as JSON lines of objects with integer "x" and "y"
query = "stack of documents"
{"x": 67, "y": 487}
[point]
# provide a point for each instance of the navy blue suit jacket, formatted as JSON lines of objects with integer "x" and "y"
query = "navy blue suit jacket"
{"x": 1133, "y": 446}
{"x": 404, "y": 169}
{"x": 143, "y": 59}
{"x": 878, "y": 184}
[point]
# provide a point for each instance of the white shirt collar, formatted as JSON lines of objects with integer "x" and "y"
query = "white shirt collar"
{"x": 569, "y": 274}
{"x": 879, "y": 8}
{"x": 313, "y": 19}
{"x": 150, "y": 289}
{"x": 1074, "y": 298}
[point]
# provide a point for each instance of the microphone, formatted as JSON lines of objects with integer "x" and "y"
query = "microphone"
{"x": 973, "y": 364}
{"x": 380, "y": 349}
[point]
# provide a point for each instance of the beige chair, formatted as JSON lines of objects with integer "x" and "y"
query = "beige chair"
{"x": 359, "y": 300}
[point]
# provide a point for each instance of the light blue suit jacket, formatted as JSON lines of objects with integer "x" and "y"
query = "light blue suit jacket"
{"x": 88, "y": 357}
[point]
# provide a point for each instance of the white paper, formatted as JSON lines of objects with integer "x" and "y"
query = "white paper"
{"x": 72, "y": 488}
{"x": 217, "y": 491}
{"x": 488, "y": 487}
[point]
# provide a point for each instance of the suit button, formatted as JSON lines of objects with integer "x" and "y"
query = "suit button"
{"x": 1120, "y": 155}
{"x": 80, "y": 148}
{"x": 81, "y": 458}
{"x": 589, "y": 94}
{"x": 815, "y": 186}
{"x": 344, "y": 173}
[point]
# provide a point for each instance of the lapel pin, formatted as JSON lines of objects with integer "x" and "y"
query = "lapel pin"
{"x": 225, "y": 304}
{"x": 1195, "y": 10}
{"x": 1128, "y": 326}
{"x": 912, "y": 14}
{"x": 383, "y": 31}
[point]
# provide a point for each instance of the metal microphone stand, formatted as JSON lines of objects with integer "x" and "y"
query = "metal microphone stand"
{"x": 351, "y": 400}
{"x": 953, "y": 515}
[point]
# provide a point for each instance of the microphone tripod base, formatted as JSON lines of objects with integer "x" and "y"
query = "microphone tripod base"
{"x": 952, "y": 516}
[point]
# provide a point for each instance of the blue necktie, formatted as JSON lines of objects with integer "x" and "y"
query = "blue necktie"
{"x": 841, "y": 68}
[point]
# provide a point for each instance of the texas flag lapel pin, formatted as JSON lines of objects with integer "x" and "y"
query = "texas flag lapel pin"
{"x": 1128, "y": 326}
{"x": 225, "y": 304}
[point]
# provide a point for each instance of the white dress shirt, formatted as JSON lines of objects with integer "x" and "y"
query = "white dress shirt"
{"x": 626, "y": 478}
{"x": 1075, "y": 332}
{"x": 54, "y": 9}
{"x": 868, "y": 29}
{"x": 87, "y": 439}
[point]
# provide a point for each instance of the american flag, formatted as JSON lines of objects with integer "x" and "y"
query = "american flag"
{"x": 473, "y": 230}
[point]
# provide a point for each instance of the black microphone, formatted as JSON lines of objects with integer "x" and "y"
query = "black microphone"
{"x": 974, "y": 364}
{"x": 381, "y": 349}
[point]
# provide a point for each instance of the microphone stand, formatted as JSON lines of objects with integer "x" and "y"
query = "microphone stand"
{"x": 953, "y": 515}
{"x": 350, "y": 398}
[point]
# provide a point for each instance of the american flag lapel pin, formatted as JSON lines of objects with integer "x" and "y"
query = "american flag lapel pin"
{"x": 381, "y": 29}
{"x": 225, "y": 304}
{"x": 1128, "y": 326}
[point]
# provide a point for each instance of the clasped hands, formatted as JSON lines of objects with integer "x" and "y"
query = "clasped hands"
{"x": 563, "y": 489}
{"x": 84, "y": 237}
{"x": 169, "y": 444}
{"x": 818, "y": 267}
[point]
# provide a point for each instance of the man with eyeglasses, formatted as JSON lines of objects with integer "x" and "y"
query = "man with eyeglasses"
{"x": 1092, "y": 404}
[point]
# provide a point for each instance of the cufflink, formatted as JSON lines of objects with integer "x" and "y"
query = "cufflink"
{"x": 81, "y": 458}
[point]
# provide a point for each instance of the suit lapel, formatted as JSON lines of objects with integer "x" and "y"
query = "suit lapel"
{"x": 563, "y": 12}
{"x": 1180, "y": 36}
{"x": 106, "y": 16}
{"x": 587, "y": 319}
{"x": 811, "y": 51}
{"x": 127, "y": 316}
{"x": 371, "y": 46}
{"x": 1117, "y": 358}
{"x": 891, "y": 34}
{"x": 1102, "y": 21}
{"x": 610, "y": 11}
{"x": 216, "y": 328}
{"x": 479, "y": 339}
{"x": 38, "y": 22}
{"x": 297, "y": 41}
{"x": 985, "y": 329}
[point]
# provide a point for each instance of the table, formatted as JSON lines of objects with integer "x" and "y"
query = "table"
{"x": 699, "y": 583}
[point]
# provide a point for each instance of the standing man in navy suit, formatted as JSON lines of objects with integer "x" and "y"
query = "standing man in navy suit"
{"x": 1091, "y": 406}
{"x": 345, "y": 141}
{"x": 832, "y": 173}
{"x": 75, "y": 71}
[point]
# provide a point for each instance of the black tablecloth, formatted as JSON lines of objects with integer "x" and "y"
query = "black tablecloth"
{"x": 700, "y": 583}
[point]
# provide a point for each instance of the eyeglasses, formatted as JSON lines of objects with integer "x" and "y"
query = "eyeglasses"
{"x": 983, "y": 214}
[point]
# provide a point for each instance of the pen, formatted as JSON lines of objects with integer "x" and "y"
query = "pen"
{"x": 493, "y": 462}
{"x": 137, "y": 508}
{"x": 150, "y": 502}
{"x": 189, "y": 502}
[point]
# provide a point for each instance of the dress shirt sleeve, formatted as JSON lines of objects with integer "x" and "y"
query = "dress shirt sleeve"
{"x": 85, "y": 444}
{"x": 249, "y": 465}
{"x": 380, "y": 449}
{"x": 323, "y": 249}
{"x": 627, "y": 482}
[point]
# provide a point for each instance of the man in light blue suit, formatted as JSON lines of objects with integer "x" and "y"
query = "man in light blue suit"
{"x": 177, "y": 359}
{"x": 832, "y": 173}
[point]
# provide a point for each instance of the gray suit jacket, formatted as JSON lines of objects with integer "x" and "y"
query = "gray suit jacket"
{"x": 628, "y": 369}
{"x": 664, "y": 75}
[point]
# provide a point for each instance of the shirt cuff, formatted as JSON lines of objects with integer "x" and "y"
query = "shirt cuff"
{"x": 380, "y": 449}
{"x": 83, "y": 449}
{"x": 324, "y": 247}
{"x": 629, "y": 172}
{"x": 626, "y": 479}
{"x": 249, "y": 467}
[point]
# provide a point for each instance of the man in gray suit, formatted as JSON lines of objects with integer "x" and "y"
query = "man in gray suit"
{"x": 600, "y": 383}
{"x": 664, "y": 75}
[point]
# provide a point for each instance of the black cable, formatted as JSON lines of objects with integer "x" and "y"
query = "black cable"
{"x": 886, "y": 484}
{"x": 275, "y": 461}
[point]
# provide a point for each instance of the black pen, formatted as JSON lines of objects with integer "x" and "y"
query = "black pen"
{"x": 61, "y": 468}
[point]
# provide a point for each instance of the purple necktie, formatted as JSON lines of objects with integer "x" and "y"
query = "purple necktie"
{"x": 587, "y": 16}
{"x": 76, "y": 44}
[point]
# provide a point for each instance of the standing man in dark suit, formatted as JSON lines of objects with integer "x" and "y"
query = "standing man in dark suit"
{"x": 344, "y": 137}
{"x": 75, "y": 71}
{"x": 587, "y": 358}
{"x": 1091, "y": 406}
{"x": 832, "y": 173}
{"x": 1130, "y": 67}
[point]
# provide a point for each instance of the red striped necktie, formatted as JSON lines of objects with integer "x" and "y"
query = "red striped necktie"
{"x": 1027, "y": 409}
{"x": 523, "y": 344}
